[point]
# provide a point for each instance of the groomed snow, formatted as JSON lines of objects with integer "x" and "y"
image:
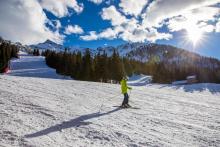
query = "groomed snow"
{"x": 32, "y": 66}
{"x": 48, "y": 111}
{"x": 139, "y": 80}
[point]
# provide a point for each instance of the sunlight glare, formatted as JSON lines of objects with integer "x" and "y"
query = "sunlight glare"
{"x": 194, "y": 34}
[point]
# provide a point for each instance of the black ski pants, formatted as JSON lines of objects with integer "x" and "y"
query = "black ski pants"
{"x": 125, "y": 101}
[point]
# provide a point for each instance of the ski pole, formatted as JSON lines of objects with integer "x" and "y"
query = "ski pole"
{"x": 103, "y": 100}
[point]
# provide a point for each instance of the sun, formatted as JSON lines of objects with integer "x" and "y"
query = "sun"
{"x": 194, "y": 34}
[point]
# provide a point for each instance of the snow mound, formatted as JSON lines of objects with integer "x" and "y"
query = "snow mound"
{"x": 201, "y": 87}
{"x": 139, "y": 80}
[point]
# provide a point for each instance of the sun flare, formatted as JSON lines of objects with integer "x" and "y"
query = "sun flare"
{"x": 194, "y": 34}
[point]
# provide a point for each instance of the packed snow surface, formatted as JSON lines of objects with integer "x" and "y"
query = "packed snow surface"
{"x": 139, "y": 80}
{"x": 45, "y": 110}
{"x": 32, "y": 66}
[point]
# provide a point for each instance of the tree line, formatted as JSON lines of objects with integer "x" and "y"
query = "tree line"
{"x": 167, "y": 64}
{"x": 36, "y": 52}
{"x": 7, "y": 51}
{"x": 100, "y": 67}
{"x": 103, "y": 68}
{"x": 164, "y": 72}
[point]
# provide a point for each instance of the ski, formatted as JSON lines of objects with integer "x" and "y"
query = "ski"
{"x": 132, "y": 107}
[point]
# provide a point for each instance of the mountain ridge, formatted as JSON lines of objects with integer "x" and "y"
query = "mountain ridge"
{"x": 123, "y": 49}
{"x": 142, "y": 52}
{"x": 138, "y": 51}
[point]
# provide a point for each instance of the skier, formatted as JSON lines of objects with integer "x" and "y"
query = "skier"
{"x": 124, "y": 89}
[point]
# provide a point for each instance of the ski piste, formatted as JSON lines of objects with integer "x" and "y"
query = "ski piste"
{"x": 36, "y": 104}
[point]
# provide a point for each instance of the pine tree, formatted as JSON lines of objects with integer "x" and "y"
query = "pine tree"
{"x": 127, "y": 67}
{"x": 78, "y": 66}
{"x": 87, "y": 66}
{"x": 116, "y": 67}
{"x": 101, "y": 67}
{"x": 7, "y": 51}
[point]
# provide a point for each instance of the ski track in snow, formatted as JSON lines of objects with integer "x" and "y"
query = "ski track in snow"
{"x": 40, "y": 108}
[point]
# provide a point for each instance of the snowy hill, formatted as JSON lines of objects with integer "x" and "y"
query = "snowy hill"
{"x": 48, "y": 44}
{"x": 47, "y": 111}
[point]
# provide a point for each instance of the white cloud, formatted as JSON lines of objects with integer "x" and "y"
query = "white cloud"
{"x": 217, "y": 29}
{"x": 160, "y": 10}
{"x": 24, "y": 21}
{"x": 108, "y": 33}
{"x": 60, "y": 7}
{"x": 132, "y": 7}
{"x": 206, "y": 13}
{"x": 137, "y": 35}
{"x": 92, "y": 36}
{"x": 113, "y": 15}
{"x": 142, "y": 35}
{"x": 177, "y": 23}
{"x": 126, "y": 29}
{"x": 198, "y": 18}
{"x": 73, "y": 30}
{"x": 128, "y": 33}
{"x": 131, "y": 25}
{"x": 177, "y": 15}
{"x": 96, "y": 1}
{"x": 58, "y": 24}
{"x": 108, "y": 2}
{"x": 205, "y": 27}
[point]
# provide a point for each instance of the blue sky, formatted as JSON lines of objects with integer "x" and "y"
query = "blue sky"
{"x": 191, "y": 24}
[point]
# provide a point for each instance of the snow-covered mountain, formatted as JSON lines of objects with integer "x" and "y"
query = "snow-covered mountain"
{"x": 48, "y": 44}
{"x": 171, "y": 55}
{"x": 123, "y": 49}
{"x": 138, "y": 51}
{"x": 142, "y": 52}
{"x": 161, "y": 53}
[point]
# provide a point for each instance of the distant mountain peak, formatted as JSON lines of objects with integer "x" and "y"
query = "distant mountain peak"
{"x": 49, "y": 41}
{"x": 48, "y": 44}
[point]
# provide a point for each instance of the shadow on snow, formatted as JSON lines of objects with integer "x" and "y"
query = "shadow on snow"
{"x": 76, "y": 122}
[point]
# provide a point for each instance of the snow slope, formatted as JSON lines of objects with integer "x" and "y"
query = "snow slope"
{"x": 45, "y": 112}
{"x": 139, "y": 80}
{"x": 32, "y": 66}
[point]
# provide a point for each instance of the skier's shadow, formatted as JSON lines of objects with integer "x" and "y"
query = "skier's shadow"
{"x": 76, "y": 122}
